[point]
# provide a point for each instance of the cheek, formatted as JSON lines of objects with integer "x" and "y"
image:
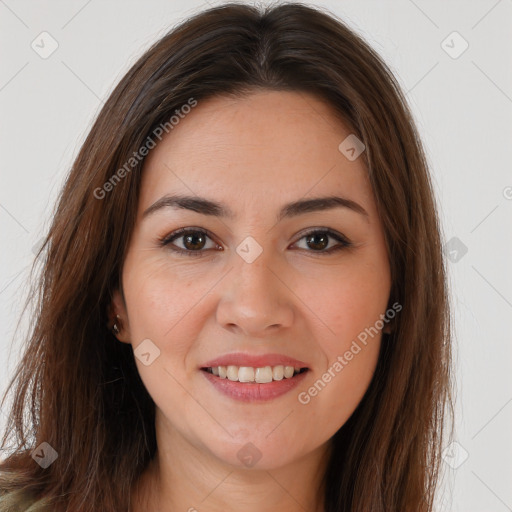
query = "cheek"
{"x": 159, "y": 296}
{"x": 347, "y": 306}
{"x": 335, "y": 393}
{"x": 350, "y": 343}
{"x": 163, "y": 305}
{"x": 349, "y": 337}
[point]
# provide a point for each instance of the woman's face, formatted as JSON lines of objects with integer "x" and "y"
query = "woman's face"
{"x": 247, "y": 286}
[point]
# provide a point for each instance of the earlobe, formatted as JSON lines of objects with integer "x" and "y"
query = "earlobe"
{"x": 118, "y": 318}
{"x": 116, "y": 328}
{"x": 389, "y": 326}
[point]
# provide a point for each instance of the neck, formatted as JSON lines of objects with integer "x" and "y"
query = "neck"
{"x": 183, "y": 476}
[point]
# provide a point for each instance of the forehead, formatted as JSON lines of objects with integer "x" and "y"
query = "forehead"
{"x": 255, "y": 147}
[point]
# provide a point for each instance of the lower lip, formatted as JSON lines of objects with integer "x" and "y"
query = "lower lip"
{"x": 254, "y": 392}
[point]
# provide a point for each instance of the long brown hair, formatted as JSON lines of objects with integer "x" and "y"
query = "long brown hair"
{"x": 77, "y": 388}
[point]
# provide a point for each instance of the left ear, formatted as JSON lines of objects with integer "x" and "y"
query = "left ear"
{"x": 118, "y": 318}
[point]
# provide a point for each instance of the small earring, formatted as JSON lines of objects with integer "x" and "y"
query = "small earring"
{"x": 115, "y": 328}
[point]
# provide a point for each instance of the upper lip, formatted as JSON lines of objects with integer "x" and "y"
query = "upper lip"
{"x": 255, "y": 361}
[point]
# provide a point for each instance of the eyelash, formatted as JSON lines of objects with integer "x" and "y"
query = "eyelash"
{"x": 344, "y": 243}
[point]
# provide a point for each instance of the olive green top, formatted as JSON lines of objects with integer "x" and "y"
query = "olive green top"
{"x": 21, "y": 501}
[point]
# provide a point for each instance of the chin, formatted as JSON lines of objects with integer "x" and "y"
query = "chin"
{"x": 256, "y": 451}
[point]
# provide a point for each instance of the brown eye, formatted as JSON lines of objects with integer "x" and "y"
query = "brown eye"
{"x": 192, "y": 241}
{"x": 319, "y": 240}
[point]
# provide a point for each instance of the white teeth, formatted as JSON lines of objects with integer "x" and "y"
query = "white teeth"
{"x": 260, "y": 375}
{"x": 263, "y": 375}
{"x": 246, "y": 374}
{"x": 233, "y": 372}
{"x": 278, "y": 372}
{"x": 288, "y": 371}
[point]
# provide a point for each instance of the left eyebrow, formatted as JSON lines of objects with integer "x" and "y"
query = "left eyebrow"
{"x": 319, "y": 204}
{"x": 208, "y": 207}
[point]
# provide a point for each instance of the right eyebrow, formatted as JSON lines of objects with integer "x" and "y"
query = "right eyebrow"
{"x": 194, "y": 203}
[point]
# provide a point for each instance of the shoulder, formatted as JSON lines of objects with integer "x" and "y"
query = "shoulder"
{"x": 21, "y": 500}
{"x": 18, "y": 491}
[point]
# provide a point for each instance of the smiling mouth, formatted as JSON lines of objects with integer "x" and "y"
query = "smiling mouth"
{"x": 251, "y": 375}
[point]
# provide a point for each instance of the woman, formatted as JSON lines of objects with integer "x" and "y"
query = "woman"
{"x": 242, "y": 303}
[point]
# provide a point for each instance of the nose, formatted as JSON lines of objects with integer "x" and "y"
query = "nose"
{"x": 255, "y": 300}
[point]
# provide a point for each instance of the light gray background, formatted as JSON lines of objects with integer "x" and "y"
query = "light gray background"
{"x": 463, "y": 108}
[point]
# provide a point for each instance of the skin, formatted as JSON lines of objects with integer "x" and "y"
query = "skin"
{"x": 254, "y": 154}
